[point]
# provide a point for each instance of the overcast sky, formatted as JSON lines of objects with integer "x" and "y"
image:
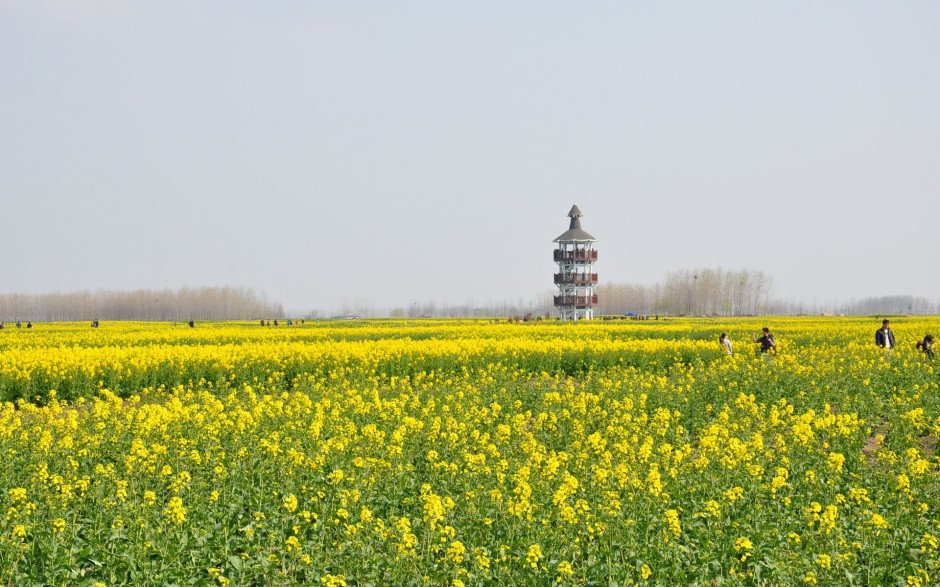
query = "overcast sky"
{"x": 382, "y": 153}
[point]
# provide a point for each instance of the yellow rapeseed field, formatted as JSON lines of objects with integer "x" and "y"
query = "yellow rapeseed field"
{"x": 462, "y": 452}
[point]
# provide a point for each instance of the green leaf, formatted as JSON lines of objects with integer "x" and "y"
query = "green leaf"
{"x": 236, "y": 562}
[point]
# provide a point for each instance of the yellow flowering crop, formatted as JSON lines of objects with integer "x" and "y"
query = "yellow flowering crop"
{"x": 449, "y": 452}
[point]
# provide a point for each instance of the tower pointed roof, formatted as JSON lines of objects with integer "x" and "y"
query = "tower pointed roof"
{"x": 574, "y": 232}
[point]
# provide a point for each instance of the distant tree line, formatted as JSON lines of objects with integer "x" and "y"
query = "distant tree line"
{"x": 702, "y": 292}
{"x": 204, "y": 303}
{"x": 435, "y": 309}
{"x": 890, "y": 305}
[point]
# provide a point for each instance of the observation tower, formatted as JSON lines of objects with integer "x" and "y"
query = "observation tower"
{"x": 575, "y": 255}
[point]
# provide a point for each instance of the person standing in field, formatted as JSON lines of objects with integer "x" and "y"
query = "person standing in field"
{"x": 925, "y": 346}
{"x": 725, "y": 341}
{"x": 884, "y": 337}
{"x": 768, "y": 344}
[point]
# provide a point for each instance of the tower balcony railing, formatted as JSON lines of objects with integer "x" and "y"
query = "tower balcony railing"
{"x": 575, "y": 300}
{"x": 575, "y": 278}
{"x": 585, "y": 255}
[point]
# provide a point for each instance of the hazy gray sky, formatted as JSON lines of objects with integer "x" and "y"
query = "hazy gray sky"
{"x": 386, "y": 152}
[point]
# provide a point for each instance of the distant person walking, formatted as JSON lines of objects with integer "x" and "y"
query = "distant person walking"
{"x": 925, "y": 346}
{"x": 191, "y": 323}
{"x": 768, "y": 344}
{"x": 725, "y": 341}
{"x": 884, "y": 337}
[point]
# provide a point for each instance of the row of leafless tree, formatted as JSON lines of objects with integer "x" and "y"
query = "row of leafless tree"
{"x": 891, "y": 305}
{"x": 711, "y": 292}
{"x": 703, "y": 292}
{"x": 204, "y": 303}
{"x": 435, "y": 309}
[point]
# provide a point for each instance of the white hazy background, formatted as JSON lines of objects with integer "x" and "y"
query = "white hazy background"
{"x": 329, "y": 153}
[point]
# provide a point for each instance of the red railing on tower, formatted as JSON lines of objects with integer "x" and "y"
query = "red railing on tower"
{"x": 576, "y": 300}
{"x": 575, "y": 255}
{"x": 575, "y": 278}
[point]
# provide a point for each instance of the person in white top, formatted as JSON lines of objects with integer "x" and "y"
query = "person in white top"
{"x": 725, "y": 341}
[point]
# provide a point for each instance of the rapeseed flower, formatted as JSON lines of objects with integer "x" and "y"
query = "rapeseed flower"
{"x": 533, "y": 556}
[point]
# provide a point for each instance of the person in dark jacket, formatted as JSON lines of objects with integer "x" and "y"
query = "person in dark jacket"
{"x": 884, "y": 337}
{"x": 768, "y": 344}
